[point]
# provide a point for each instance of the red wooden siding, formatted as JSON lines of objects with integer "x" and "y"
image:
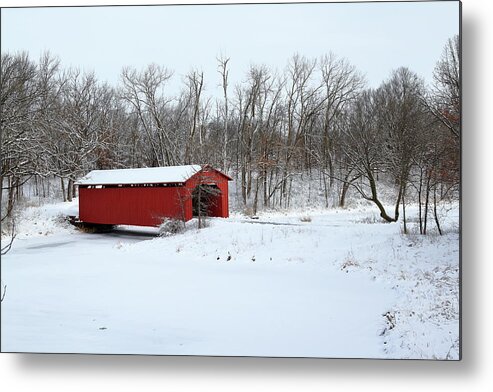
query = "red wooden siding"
{"x": 139, "y": 206}
{"x": 220, "y": 208}
{"x": 148, "y": 205}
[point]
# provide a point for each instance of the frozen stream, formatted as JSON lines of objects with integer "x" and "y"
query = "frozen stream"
{"x": 124, "y": 292}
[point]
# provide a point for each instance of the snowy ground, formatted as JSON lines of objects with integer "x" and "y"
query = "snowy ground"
{"x": 334, "y": 283}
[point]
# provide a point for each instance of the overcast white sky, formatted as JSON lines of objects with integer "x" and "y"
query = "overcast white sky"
{"x": 375, "y": 37}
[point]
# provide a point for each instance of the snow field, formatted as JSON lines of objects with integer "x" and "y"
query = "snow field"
{"x": 329, "y": 286}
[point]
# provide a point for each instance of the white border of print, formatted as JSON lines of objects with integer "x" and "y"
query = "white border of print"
{"x": 128, "y": 373}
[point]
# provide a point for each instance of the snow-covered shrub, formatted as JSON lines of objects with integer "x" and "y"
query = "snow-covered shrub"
{"x": 248, "y": 211}
{"x": 62, "y": 220}
{"x": 369, "y": 219}
{"x": 348, "y": 262}
{"x": 171, "y": 227}
{"x": 305, "y": 218}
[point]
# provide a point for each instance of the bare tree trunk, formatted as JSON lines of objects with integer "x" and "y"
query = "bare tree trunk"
{"x": 289, "y": 192}
{"x": 255, "y": 199}
{"x": 223, "y": 70}
{"x": 435, "y": 213}
{"x": 10, "y": 204}
{"x": 69, "y": 189}
{"x": 427, "y": 202}
{"x": 63, "y": 189}
{"x": 326, "y": 191}
{"x": 195, "y": 82}
{"x": 18, "y": 190}
{"x": 1, "y": 194}
{"x": 404, "y": 211}
{"x": 264, "y": 186}
{"x": 36, "y": 186}
{"x": 374, "y": 199}
{"x": 402, "y": 189}
{"x": 342, "y": 199}
{"x": 331, "y": 170}
{"x": 420, "y": 202}
{"x": 243, "y": 185}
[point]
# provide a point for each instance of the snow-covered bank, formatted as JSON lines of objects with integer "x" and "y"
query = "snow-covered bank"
{"x": 44, "y": 220}
{"x": 326, "y": 284}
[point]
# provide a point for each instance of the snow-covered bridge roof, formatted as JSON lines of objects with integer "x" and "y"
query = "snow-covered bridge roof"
{"x": 148, "y": 175}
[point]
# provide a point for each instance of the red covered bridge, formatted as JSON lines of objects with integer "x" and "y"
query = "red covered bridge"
{"x": 143, "y": 197}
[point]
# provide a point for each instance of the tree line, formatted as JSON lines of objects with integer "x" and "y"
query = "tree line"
{"x": 316, "y": 119}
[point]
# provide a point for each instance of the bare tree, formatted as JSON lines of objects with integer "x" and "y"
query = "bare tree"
{"x": 18, "y": 91}
{"x": 341, "y": 84}
{"x": 143, "y": 91}
{"x": 26, "y": 91}
{"x": 303, "y": 102}
{"x": 81, "y": 129}
{"x": 224, "y": 72}
{"x": 401, "y": 120}
{"x": 195, "y": 83}
{"x": 363, "y": 149}
{"x": 312, "y": 121}
{"x": 444, "y": 101}
{"x": 435, "y": 171}
{"x": 380, "y": 137}
{"x": 250, "y": 103}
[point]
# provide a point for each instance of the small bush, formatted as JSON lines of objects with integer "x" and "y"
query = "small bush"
{"x": 349, "y": 262}
{"x": 171, "y": 227}
{"x": 62, "y": 220}
{"x": 248, "y": 211}
{"x": 305, "y": 218}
